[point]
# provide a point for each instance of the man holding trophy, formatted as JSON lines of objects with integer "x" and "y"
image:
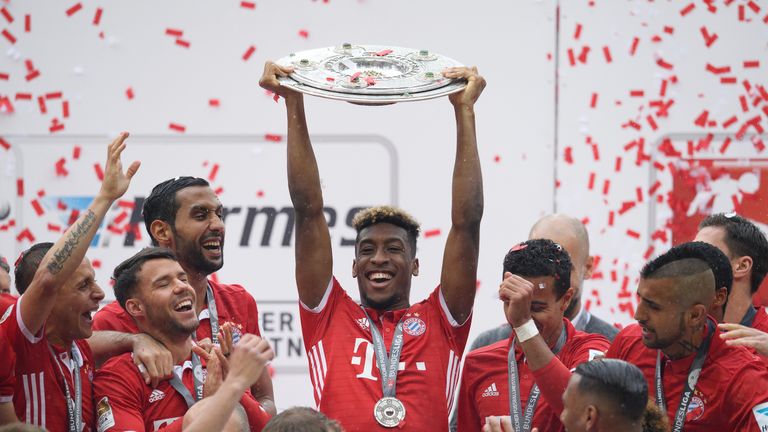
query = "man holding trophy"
{"x": 416, "y": 346}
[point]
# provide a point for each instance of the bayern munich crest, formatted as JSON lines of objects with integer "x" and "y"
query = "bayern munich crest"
{"x": 414, "y": 326}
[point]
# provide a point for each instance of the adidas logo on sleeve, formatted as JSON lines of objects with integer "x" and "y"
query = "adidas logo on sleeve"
{"x": 156, "y": 396}
{"x": 491, "y": 391}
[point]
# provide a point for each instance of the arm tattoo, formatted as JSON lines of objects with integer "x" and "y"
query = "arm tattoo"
{"x": 74, "y": 237}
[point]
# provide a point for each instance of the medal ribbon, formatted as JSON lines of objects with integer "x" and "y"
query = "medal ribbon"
{"x": 690, "y": 383}
{"x": 180, "y": 388}
{"x": 583, "y": 320}
{"x": 523, "y": 421}
{"x": 388, "y": 365}
{"x": 74, "y": 406}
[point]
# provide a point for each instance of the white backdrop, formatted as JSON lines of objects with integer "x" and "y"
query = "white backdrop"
{"x": 123, "y": 71}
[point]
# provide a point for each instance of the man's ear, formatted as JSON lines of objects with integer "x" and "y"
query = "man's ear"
{"x": 697, "y": 316}
{"x": 134, "y": 307}
{"x": 354, "y": 271}
{"x": 590, "y": 417}
{"x": 742, "y": 268}
{"x": 588, "y": 267}
{"x": 161, "y": 231}
{"x": 566, "y": 299}
{"x": 415, "y": 267}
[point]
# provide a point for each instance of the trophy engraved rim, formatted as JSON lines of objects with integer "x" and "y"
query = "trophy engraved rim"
{"x": 370, "y": 74}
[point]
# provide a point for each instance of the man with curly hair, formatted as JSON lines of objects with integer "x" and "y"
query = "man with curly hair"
{"x": 525, "y": 375}
{"x": 417, "y": 346}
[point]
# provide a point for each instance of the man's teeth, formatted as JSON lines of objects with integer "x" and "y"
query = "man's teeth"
{"x": 185, "y": 305}
{"x": 379, "y": 276}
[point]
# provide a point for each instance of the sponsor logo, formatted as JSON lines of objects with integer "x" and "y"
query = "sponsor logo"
{"x": 363, "y": 323}
{"x": 157, "y": 424}
{"x": 593, "y": 354}
{"x": 156, "y": 396}
{"x": 761, "y": 415}
{"x": 414, "y": 326}
{"x": 491, "y": 391}
{"x": 105, "y": 419}
{"x": 695, "y": 409}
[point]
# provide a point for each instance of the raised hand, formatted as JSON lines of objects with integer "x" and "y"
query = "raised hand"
{"x": 269, "y": 79}
{"x": 249, "y": 360}
{"x": 519, "y": 293}
{"x": 116, "y": 181}
{"x": 475, "y": 86}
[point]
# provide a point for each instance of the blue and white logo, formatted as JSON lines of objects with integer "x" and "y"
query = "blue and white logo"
{"x": 414, "y": 326}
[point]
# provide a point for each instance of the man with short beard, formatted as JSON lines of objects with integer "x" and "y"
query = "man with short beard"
{"x": 184, "y": 215}
{"x": 152, "y": 288}
{"x": 702, "y": 383}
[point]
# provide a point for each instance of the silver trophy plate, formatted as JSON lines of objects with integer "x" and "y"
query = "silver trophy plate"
{"x": 370, "y": 74}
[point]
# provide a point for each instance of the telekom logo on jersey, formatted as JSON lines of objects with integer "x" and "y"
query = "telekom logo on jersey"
{"x": 368, "y": 361}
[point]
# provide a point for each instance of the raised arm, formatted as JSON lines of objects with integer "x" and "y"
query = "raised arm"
{"x": 68, "y": 252}
{"x": 459, "y": 273}
{"x": 314, "y": 261}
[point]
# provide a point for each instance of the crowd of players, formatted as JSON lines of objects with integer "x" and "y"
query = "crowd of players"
{"x": 178, "y": 351}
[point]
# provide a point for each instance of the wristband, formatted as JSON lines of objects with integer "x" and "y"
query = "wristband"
{"x": 526, "y": 331}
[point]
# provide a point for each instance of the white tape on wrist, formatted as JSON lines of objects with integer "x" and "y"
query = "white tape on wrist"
{"x": 526, "y": 331}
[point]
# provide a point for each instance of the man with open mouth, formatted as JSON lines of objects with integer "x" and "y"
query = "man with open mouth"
{"x": 417, "y": 347}
{"x": 184, "y": 215}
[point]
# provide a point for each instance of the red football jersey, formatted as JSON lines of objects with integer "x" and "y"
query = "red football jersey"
{"x": 125, "y": 403}
{"x": 233, "y": 304}
{"x": 7, "y": 365}
{"x": 731, "y": 394}
{"x": 6, "y": 301}
{"x": 761, "y": 320}
{"x": 484, "y": 389}
{"x": 345, "y": 377}
{"x": 39, "y": 395}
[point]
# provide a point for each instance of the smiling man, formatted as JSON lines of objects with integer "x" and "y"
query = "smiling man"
{"x": 184, "y": 215}
{"x": 509, "y": 376}
{"x": 699, "y": 381}
{"x": 417, "y": 347}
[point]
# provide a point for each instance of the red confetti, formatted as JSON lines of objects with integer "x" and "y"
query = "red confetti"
{"x": 571, "y": 57}
{"x": 568, "y": 156}
{"x": 7, "y": 15}
{"x": 174, "y": 32}
{"x": 636, "y": 93}
{"x": 606, "y": 186}
{"x": 55, "y": 126}
{"x": 724, "y": 146}
{"x": 617, "y": 165}
{"x": 664, "y": 64}
{"x": 54, "y": 227}
{"x": 718, "y": 70}
{"x": 686, "y": 10}
{"x": 41, "y": 193}
{"x": 633, "y": 49}
{"x": 247, "y": 5}
{"x": 126, "y": 204}
{"x": 4, "y": 144}
{"x": 27, "y": 23}
{"x": 303, "y": 33}
{"x": 611, "y": 216}
{"x": 709, "y": 39}
{"x": 432, "y": 233}
{"x": 652, "y": 122}
{"x": 626, "y": 206}
{"x": 97, "y": 16}
{"x": 183, "y": 43}
{"x": 744, "y": 105}
{"x": 654, "y": 188}
{"x": 593, "y": 101}
{"x": 65, "y": 109}
{"x": 669, "y": 30}
{"x": 9, "y": 36}
{"x": 120, "y": 218}
{"x": 639, "y": 194}
{"x": 273, "y": 137}
{"x": 219, "y": 190}
{"x": 591, "y": 184}
{"x": 20, "y": 187}
{"x": 76, "y": 152}
{"x": 741, "y": 12}
{"x": 648, "y": 252}
{"x": 73, "y": 216}
{"x": 23, "y": 96}
{"x": 751, "y": 64}
{"x": 752, "y": 5}
{"x": 53, "y": 95}
{"x": 729, "y": 122}
{"x": 129, "y": 93}
{"x": 41, "y": 103}
{"x": 701, "y": 120}
{"x": 26, "y": 234}
{"x": 38, "y": 208}
{"x": 4, "y": 76}
{"x": 213, "y": 102}
{"x": 61, "y": 170}
{"x": 177, "y": 127}
{"x": 249, "y": 52}
{"x": 583, "y": 54}
{"x": 96, "y": 263}
{"x": 72, "y": 10}
{"x": 607, "y": 54}
{"x": 99, "y": 171}
{"x": 214, "y": 171}
{"x": 727, "y": 80}
{"x": 633, "y": 234}
{"x": 595, "y": 152}
{"x": 32, "y": 75}
{"x": 577, "y": 32}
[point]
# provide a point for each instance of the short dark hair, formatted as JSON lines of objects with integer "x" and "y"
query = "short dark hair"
{"x": 541, "y": 257}
{"x": 126, "y": 273}
{"x": 302, "y": 419}
{"x": 616, "y": 381}
{"x": 743, "y": 238}
{"x": 27, "y": 264}
{"x": 161, "y": 204}
{"x": 718, "y": 262}
{"x": 387, "y": 214}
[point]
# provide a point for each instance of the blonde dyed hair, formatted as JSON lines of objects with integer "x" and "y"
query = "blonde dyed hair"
{"x": 387, "y": 214}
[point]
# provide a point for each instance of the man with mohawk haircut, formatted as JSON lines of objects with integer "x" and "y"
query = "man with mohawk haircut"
{"x": 417, "y": 347}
